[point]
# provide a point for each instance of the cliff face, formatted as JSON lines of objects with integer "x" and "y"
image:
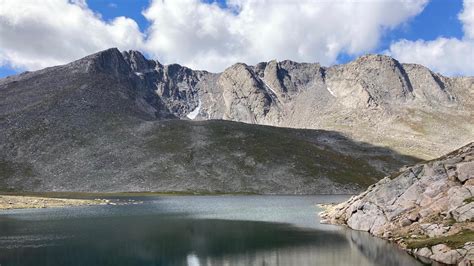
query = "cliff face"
{"x": 428, "y": 208}
{"x": 374, "y": 99}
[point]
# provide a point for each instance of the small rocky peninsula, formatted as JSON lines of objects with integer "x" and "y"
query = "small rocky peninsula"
{"x": 26, "y": 202}
{"x": 427, "y": 208}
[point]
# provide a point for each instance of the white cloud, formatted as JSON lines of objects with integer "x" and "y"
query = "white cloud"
{"x": 208, "y": 37}
{"x": 450, "y": 56}
{"x": 36, "y": 34}
{"x": 467, "y": 18}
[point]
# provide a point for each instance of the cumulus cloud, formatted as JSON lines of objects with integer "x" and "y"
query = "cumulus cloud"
{"x": 450, "y": 56}
{"x": 205, "y": 36}
{"x": 36, "y": 34}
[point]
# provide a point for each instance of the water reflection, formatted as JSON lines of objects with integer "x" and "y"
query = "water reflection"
{"x": 171, "y": 238}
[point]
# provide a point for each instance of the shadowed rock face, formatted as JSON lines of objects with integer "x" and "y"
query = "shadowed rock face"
{"x": 109, "y": 122}
{"x": 373, "y": 99}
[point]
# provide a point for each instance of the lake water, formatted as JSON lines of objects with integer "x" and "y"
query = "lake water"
{"x": 190, "y": 230}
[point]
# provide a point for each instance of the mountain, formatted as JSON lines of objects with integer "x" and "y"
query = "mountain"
{"x": 115, "y": 121}
{"x": 373, "y": 99}
{"x": 427, "y": 208}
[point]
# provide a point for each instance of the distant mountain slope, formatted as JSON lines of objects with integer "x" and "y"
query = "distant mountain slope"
{"x": 373, "y": 99}
{"x": 176, "y": 155}
{"x": 96, "y": 125}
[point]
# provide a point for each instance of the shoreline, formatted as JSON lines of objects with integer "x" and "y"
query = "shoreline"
{"x": 427, "y": 209}
{"x": 105, "y": 195}
{"x": 39, "y": 200}
{"x": 404, "y": 243}
{"x": 12, "y": 202}
{"x": 101, "y": 195}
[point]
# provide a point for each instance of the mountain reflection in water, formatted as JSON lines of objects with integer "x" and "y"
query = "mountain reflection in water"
{"x": 188, "y": 231}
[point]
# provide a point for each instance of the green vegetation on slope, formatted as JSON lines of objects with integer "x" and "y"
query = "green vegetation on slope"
{"x": 116, "y": 155}
{"x": 249, "y": 147}
{"x": 454, "y": 241}
{"x": 265, "y": 145}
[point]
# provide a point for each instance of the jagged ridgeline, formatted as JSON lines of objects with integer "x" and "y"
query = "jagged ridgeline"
{"x": 373, "y": 99}
{"x": 116, "y": 121}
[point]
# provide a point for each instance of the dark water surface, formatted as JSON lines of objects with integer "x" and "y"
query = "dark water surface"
{"x": 190, "y": 230}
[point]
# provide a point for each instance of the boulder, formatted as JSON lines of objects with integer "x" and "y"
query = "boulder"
{"x": 465, "y": 171}
{"x": 424, "y": 252}
{"x": 444, "y": 254}
{"x": 464, "y": 213}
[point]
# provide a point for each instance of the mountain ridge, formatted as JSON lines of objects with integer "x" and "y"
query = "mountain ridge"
{"x": 373, "y": 91}
{"x": 95, "y": 125}
{"x": 374, "y": 98}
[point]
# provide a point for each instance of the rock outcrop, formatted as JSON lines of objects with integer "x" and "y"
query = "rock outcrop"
{"x": 427, "y": 208}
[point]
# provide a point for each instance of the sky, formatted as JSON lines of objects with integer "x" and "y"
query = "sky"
{"x": 212, "y": 35}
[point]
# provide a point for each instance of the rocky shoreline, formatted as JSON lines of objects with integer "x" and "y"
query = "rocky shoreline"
{"x": 8, "y": 202}
{"x": 428, "y": 209}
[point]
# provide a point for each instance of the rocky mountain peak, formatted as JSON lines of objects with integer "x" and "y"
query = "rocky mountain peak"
{"x": 371, "y": 81}
{"x": 138, "y": 62}
{"x": 368, "y": 58}
{"x": 245, "y": 95}
{"x": 429, "y": 88}
{"x": 109, "y": 61}
{"x": 275, "y": 77}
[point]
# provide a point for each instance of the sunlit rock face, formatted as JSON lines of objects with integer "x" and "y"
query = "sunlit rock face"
{"x": 375, "y": 98}
{"x": 433, "y": 200}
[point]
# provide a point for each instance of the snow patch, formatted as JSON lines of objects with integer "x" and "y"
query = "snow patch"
{"x": 146, "y": 71}
{"x": 194, "y": 113}
{"x": 330, "y": 91}
{"x": 270, "y": 88}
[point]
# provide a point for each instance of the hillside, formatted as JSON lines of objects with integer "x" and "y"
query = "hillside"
{"x": 186, "y": 156}
{"x": 94, "y": 125}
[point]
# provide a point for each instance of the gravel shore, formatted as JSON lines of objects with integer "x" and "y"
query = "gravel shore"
{"x": 27, "y": 202}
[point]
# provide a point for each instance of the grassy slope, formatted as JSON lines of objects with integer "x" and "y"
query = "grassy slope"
{"x": 454, "y": 241}
{"x": 221, "y": 156}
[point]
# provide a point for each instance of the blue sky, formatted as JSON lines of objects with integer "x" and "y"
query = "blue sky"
{"x": 439, "y": 18}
